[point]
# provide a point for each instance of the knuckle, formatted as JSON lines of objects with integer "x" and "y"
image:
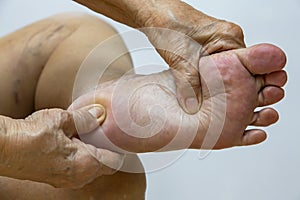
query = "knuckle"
{"x": 236, "y": 33}
{"x": 52, "y": 118}
{"x": 228, "y": 36}
{"x": 85, "y": 166}
{"x": 235, "y": 29}
{"x": 50, "y": 112}
{"x": 66, "y": 123}
{"x": 64, "y": 117}
{"x": 187, "y": 79}
{"x": 229, "y": 27}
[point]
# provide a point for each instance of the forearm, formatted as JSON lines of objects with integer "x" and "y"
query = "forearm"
{"x": 3, "y": 132}
{"x": 213, "y": 34}
{"x": 147, "y": 13}
{"x": 7, "y": 151}
{"x": 120, "y": 10}
{"x": 16, "y": 146}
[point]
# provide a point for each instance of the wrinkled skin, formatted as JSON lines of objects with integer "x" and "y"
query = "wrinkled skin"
{"x": 55, "y": 47}
{"x": 207, "y": 36}
{"x": 143, "y": 114}
{"x": 210, "y": 35}
{"x": 105, "y": 187}
{"x": 39, "y": 148}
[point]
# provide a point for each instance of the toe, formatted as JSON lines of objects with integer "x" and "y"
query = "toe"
{"x": 265, "y": 117}
{"x": 252, "y": 137}
{"x": 278, "y": 79}
{"x": 270, "y": 95}
{"x": 262, "y": 58}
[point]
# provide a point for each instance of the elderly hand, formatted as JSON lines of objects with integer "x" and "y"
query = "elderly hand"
{"x": 208, "y": 34}
{"x": 41, "y": 148}
{"x": 191, "y": 35}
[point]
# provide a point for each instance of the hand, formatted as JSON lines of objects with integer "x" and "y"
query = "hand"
{"x": 191, "y": 35}
{"x": 40, "y": 148}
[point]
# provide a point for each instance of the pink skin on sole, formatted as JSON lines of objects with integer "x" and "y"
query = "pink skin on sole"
{"x": 143, "y": 113}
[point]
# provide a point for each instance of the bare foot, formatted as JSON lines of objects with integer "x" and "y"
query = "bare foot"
{"x": 143, "y": 113}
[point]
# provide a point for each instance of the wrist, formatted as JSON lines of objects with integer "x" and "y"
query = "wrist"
{"x": 155, "y": 13}
{"x": 5, "y": 135}
{"x": 12, "y": 146}
{"x": 170, "y": 14}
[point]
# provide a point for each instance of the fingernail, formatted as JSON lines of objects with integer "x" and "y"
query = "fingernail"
{"x": 192, "y": 105}
{"x": 98, "y": 112}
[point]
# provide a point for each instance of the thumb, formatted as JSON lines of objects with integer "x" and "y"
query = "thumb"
{"x": 188, "y": 87}
{"x": 88, "y": 118}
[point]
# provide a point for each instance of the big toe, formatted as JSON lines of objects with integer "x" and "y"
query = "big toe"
{"x": 262, "y": 58}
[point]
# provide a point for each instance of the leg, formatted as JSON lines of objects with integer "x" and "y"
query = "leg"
{"x": 143, "y": 114}
{"x": 55, "y": 59}
{"x": 23, "y": 55}
{"x": 62, "y": 66}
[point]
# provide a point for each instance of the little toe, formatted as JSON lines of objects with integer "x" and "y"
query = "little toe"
{"x": 252, "y": 137}
{"x": 270, "y": 95}
{"x": 262, "y": 58}
{"x": 265, "y": 117}
{"x": 278, "y": 78}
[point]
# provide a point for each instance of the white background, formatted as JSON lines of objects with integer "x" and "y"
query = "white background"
{"x": 267, "y": 171}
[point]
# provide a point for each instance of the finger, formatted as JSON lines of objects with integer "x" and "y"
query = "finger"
{"x": 84, "y": 120}
{"x": 111, "y": 162}
{"x": 270, "y": 95}
{"x": 222, "y": 45}
{"x": 265, "y": 117}
{"x": 108, "y": 162}
{"x": 82, "y": 101}
{"x": 188, "y": 88}
{"x": 44, "y": 114}
{"x": 262, "y": 59}
{"x": 252, "y": 137}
